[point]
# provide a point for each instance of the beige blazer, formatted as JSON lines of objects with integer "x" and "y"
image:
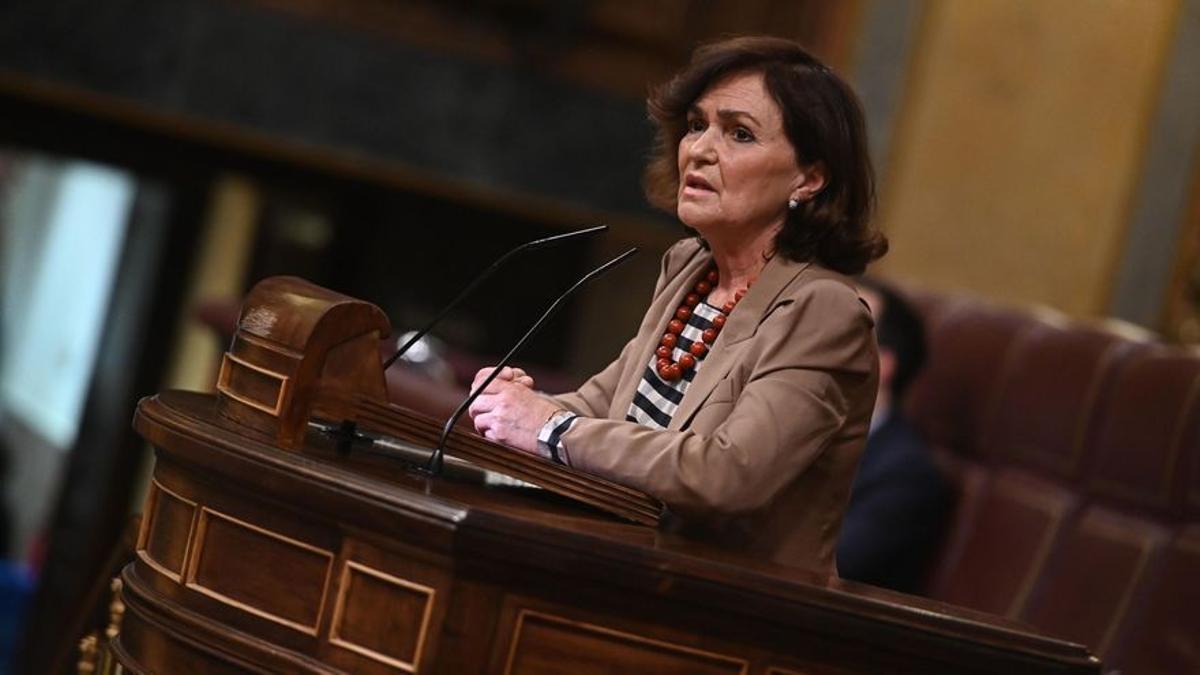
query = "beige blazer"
{"x": 762, "y": 450}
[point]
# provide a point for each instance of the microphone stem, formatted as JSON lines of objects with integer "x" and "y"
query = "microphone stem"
{"x": 527, "y": 246}
{"x": 434, "y": 464}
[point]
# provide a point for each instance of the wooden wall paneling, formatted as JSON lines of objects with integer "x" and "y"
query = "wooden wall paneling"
{"x": 373, "y": 610}
{"x": 390, "y": 607}
{"x": 260, "y": 571}
{"x": 168, "y": 526}
{"x": 470, "y": 627}
{"x": 258, "y": 566}
{"x": 382, "y": 617}
{"x": 1018, "y": 150}
{"x": 685, "y": 619}
{"x": 619, "y": 46}
{"x": 159, "y": 651}
{"x": 534, "y": 633}
{"x": 544, "y": 643}
{"x": 159, "y": 635}
{"x": 587, "y": 628}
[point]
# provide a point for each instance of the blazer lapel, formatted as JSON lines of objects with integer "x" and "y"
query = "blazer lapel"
{"x": 742, "y": 324}
{"x": 651, "y": 333}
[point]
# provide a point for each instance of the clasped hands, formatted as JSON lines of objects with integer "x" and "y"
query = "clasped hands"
{"x": 509, "y": 411}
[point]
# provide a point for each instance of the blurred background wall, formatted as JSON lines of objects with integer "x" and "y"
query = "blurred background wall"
{"x": 1025, "y": 158}
{"x": 1030, "y": 152}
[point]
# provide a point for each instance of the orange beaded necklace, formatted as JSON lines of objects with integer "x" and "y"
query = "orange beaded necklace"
{"x": 667, "y": 367}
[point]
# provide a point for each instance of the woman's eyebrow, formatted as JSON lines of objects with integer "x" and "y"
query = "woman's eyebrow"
{"x": 725, "y": 115}
{"x": 728, "y": 114}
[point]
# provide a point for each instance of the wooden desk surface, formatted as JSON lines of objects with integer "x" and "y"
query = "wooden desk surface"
{"x": 312, "y": 562}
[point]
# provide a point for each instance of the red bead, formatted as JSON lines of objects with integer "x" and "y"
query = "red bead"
{"x": 710, "y": 335}
{"x": 670, "y": 372}
{"x": 663, "y": 352}
{"x": 691, "y": 300}
{"x": 683, "y": 313}
{"x": 698, "y": 349}
{"x": 739, "y": 295}
{"x": 663, "y": 370}
{"x": 687, "y": 361}
{"x": 718, "y": 321}
{"x": 662, "y": 363}
{"x": 728, "y": 307}
{"x": 675, "y": 326}
{"x": 711, "y": 277}
{"x": 669, "y": 340}
{"x": 703, "y": 287}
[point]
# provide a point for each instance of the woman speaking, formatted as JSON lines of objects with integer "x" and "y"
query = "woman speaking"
{"x": 744, "y": 400}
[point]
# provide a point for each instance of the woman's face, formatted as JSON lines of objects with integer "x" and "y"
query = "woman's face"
{"x": 737, "y": 168}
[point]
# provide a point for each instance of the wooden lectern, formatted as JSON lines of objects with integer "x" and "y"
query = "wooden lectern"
{"x": 265, "y": 547}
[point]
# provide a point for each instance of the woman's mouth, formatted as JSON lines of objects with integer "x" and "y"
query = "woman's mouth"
{"x": 697, "y": 182}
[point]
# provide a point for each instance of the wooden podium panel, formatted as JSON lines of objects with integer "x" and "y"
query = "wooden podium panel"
{"x": 255, "y": 558}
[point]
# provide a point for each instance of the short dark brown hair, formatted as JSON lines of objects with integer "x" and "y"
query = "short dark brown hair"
{"x": 823, "y": 121}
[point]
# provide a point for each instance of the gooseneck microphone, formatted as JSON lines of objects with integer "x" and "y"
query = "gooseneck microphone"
{"x": 434, "y": 464}
{"x": 527, "y": 246}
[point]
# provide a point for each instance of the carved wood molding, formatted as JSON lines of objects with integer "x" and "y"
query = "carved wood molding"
{"x": 335, "y": 632}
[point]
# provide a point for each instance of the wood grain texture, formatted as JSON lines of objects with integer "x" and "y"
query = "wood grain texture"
{"x": 259, "y": 571}
{"x": 382, "y": 617}
{"x": 543, "y": 643}
{"x": 168, "y": 516}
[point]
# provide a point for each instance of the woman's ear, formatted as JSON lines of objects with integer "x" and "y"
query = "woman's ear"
{"x": 809, "y": 182}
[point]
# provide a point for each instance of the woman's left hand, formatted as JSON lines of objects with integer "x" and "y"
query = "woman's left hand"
{"x": 510, "y": 412}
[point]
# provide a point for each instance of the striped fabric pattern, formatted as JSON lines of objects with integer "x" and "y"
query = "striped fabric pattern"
{"x": 550, "y": 443}
{"x": 656, "y": 400}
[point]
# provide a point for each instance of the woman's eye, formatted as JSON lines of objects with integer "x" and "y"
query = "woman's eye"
{"x": 742, "y": 135}
{"x": 695, "y": 125}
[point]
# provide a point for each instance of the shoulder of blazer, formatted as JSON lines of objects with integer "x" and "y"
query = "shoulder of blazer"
{"x": 816, "y": 278}
{"x": 814, "y": 271}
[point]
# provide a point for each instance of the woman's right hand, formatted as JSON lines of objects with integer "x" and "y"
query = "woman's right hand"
{"x": 514, "y": 375}
{"x": 509, "y": 411}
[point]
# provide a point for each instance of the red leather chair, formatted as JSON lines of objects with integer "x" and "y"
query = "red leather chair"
{"x": 1077, "y": 453}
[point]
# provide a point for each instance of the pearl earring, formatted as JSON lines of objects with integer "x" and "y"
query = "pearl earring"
{"x": 793, "y": 203}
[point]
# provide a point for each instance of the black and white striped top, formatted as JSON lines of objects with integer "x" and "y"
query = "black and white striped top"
{"x": 654, "y": 402}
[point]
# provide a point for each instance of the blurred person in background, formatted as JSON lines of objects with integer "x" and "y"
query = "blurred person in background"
{"x": 900, "y": 503}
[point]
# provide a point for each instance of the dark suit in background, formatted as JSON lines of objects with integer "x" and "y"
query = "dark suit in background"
{"x": 899, "y": 507}
{"x": 900, "y": 503}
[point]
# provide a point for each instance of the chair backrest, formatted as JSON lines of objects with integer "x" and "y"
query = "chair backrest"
{"x": 951, "y": 397}
{"x": 999, "y": 554}
{"x": 1078, "y": 451}
{"x": 1046, "y": 397}
{"x": 1145, "y": 427}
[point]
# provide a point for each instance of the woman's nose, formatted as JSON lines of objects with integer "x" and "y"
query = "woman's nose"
{"x": 703, "y": 147}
